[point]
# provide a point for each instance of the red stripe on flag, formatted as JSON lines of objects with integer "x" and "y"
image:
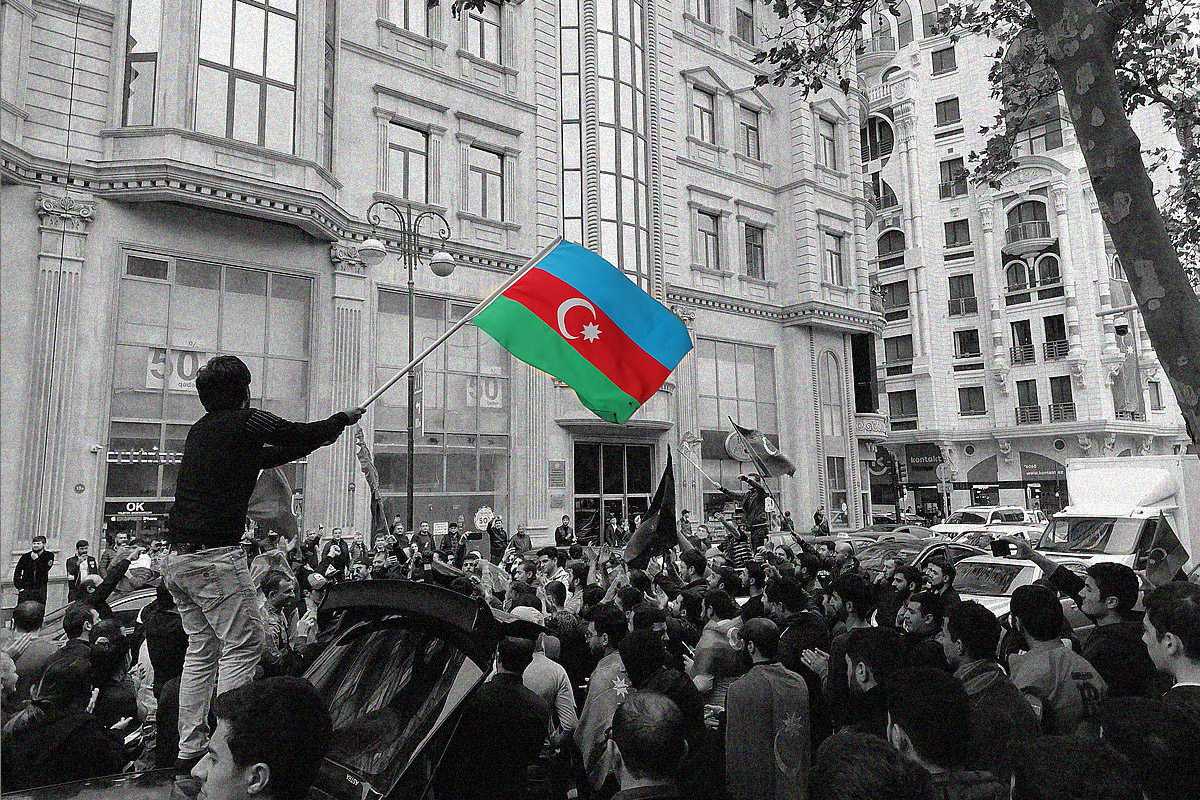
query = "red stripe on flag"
{"x": 612, "y": 352}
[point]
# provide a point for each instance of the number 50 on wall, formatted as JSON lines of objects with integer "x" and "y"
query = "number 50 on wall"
{"x": 176, "y": 369}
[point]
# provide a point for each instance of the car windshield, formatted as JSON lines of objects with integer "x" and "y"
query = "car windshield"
{"x": 965, "y": 518}
{"x": 389, "y": 685}
{"x": 1112, "y": 535}
{"x": 872, "y": 558}
{"x": 989, "y": 580}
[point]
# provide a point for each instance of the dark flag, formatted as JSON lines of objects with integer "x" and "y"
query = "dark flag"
{"x": 1166, "y": 554}
{"x": 766, "y": 455}
{"x": 658, "y": 531}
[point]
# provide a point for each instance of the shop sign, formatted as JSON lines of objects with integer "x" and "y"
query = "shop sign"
{"x": 1037, "y": 467}
{"x": 922, "y": 462}
{"x": 137, "y": 509}
{"x": 176, "y": 369}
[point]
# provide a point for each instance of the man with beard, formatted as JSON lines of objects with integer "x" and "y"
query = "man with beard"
{"x": 923, "y": 613}
{"x": 872, "y": 656}
{"x": 906, "y": 580}
{"x": 939, "y": 579}
{"x": 33, "y": 572}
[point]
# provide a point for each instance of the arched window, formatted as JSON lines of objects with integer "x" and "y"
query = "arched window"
{"x": 880, "y": 140}
{"x": 890, "y": 73}
{"x": 891, "y": 243}
{"x": 904, "y": 25}
{"x": 1029, "y": 211}
{"x": 833, "y": 415}
{"x": 1049, "y": 271}
{"x": 1115, "y": 270}
{"x": 887, "y": 197}
{"x": 1017, "y": 277}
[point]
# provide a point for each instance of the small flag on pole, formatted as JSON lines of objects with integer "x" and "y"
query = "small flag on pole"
{"x": 367, "y": 463}
{"x": 271, "y": 503}
{"x": 658, "y": 531}
{"x": 579, "y": 318}
{"x": 764, "y": 453}
{"x": 1166, "y": 555}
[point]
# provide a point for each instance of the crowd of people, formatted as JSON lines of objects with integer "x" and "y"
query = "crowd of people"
{"x": 734, "y": 666}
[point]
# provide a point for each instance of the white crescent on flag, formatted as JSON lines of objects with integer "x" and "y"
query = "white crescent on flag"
{"x": 567, "y": 305}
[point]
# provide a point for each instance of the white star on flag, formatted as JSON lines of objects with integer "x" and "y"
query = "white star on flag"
{"x": 591, "y": 332}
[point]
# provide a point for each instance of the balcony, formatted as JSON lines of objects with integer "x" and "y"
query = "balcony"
{"x": 1062, "y": 412}
{"x": 1131, "y": 416}
{"x": 876, "y": 303}
{"x": 1027, "y": 237}
{"x": 872, "y": 426}
{"x": 895, "y": 313}
{"x": 1056, "y": 351}
{"x": 878, "y": 150}
{"x": 1022, "y": 354}
{"x": 1029, "y": 415}
{"x": 954, "y": 188}
{"x": 875, "y": 52}
{"x": 879, "y": 96}
{"x": 962, "y": 306}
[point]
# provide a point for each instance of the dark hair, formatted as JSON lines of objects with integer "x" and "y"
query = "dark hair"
{"x": 933, "y": 709}
{"x": 608, "y": 619}
{"x": 642, "y": 654}
{"x": 66, "y": 683}
{"x": 648, "y": 728}
{"x": 556, "y": 593}
{"x": 1116, "y": 580}
{"x": 859, "y": 766}
{"x": 82, "y": 543}
{"x": 810, "y": 563}
{"x": 853, "y": 588}
{"x": 75, "y": 617}
{"x": 1175, "y": 608}
{"x": 281, "y": 722}
{"x": 630, "y": 597}
{"x": 696, "y": 560}
{"x": 946, "y": 567}
{"x": 1158, "y": 739}
{"x": 515, "y": 653}
{"x": 647, "y": 615}
{"x": 575, "y": 551}
{"x": 640, "y": 580}
{"x": 881, "y": 649}
{"x": 39, "y": 537}
{"x": 764, "y": 634}
{"x": 109, "y": 648}
{"x": 722, "y": 604}
{"x": 1070, "y": 768}
{"x": 28, "y": 616}
{"x": 592, "y": 595}
{"x": 788, "y": 592}
{"x": 931, "y": 604}
{"x": 223, "y": 383}
{"x": 525, "y": 599}
{"x": 757, "y": 573}
{"x": 579, "y": 571}
{"x": 1039, "y": 611}
{"x": 976, "y": 627}
{"x": 552, "y": 552}
{"x": 912, "y": 577}
{"x": 692, "y": 603}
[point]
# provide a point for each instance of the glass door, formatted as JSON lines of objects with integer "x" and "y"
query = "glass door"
{"x": 611, "y": 480}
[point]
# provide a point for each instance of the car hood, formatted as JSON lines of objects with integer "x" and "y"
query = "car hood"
{"x": 155, "y": 785}
{"x": 997, "y": 605}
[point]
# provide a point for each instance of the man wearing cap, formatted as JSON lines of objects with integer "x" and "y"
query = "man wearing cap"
{"x": 767, "y": 738}
{"x": 754, "y": 507}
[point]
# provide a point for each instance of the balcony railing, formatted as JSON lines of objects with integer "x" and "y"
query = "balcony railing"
{"x": 876, "y": 45}
{"x": 954, "y": 188}
{"x": 961, "y": 306}
{"x": 879, "y": 94}
{"x": 1062, "y": 412}
{"x": 1022, "y": 354}
{"x": 877, "y": 303}
{"x": 1029, "y": 415}
{"x": 894, "y": 313}
{"x": 1053, "y": 351}
{"x": 1024, "y": 231}
{"x": 876, "y": 150}
{"x": 1132, "y": 416}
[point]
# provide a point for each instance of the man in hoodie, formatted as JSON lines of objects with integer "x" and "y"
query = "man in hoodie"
{"x": 929, "y": 722}
{"x": 1106, "y": 596}
{"x": 767, "y": 738}
{"x": 999, "y": 714}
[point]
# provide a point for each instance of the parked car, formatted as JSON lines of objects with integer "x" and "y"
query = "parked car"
{"x": 917, "y": 552}
{"x": 400, "y": 660}
{"x": 977, "y": 516}
{"x": 125, "y": 607}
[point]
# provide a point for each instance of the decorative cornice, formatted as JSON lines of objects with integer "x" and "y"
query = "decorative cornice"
{"x": 424, "y": 102}
{"x": 346, "y": 258}
{"x": 67, "y": 209}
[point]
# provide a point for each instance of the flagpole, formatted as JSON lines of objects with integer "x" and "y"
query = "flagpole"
{"x": 755, "y": 459}
{"x": 474, "y": 312}
{"x": 696, "y": 466}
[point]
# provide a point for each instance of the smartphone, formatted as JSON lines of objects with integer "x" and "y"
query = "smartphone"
{"x": 1001, "y": 549}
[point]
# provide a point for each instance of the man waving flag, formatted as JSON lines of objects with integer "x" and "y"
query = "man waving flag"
{"x": 577, "y": 317}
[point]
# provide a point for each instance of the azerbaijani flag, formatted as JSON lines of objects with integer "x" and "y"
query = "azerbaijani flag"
{"x": 577, "y": 317}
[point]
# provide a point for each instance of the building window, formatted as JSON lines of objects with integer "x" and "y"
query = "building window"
{"x": 486, "y": 176}
{"x": 703, "y": 10}
{"x": 835, "y": 271}
{"x": 748, "y": 122}
{"x": 708, "y": 234}
{"x": 173, "y": 314}
{"x": 483, "y": 32}
{"x": 704, "y": 118}
{"x": 408, "y": 163}
{"x": 1039, "y": 139}
{"x": 943, "y": 60}
{"x": 1115, "y": 271}
{"x": 461, "y": 458}
{"x": 946, "y": 111}
{"x": 412, "y": 15}
{"x": 141, "y": 61}
{"x": 246, "y": 75}
{"x": 1156, "y": 395}
{"x": 962, "y": 295}
{"x": 958, "y": 233}
{"x": 744, "y": 14}
{"x": 895, "y": 295}
{"x": 756, "y": 253}
{"x": 954, "y": 178}
{"x": 971, "y": 401}
{"x": 898, "y": 349}
{"x": 828, "y": 143}
{"x": 966, "y": 343}
{"x": 1049, "y": 272}
{"x": 903, "y": 405}
{"x": 833, "y": 413}
{"x": 890, "y": 243}
{"x": 835, "y": 476}
{"x": 327, "y": 92}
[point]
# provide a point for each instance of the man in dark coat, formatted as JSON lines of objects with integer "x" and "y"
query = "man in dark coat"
{"x": 564, "y": 534}
{"x": 32, "y": 574}
{"x": 500, "y": 734}
{"x": 754, "y": 507}
{"x": 79, "y": 566}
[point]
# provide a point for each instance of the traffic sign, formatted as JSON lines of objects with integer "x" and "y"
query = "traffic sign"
{"x": 942, "y": 472}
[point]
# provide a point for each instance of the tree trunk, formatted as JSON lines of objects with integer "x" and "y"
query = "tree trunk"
{"x": 1079, "y": 39}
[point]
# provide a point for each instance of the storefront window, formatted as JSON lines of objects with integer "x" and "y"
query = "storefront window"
{"x": 461, "y": 448}
{"x": 173, "y": 315}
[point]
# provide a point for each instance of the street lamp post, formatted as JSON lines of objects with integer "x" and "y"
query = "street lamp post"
{"x": 373, "y": 252}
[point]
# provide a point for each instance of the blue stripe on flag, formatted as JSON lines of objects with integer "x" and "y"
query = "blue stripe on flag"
{"x": 649, "y": 323}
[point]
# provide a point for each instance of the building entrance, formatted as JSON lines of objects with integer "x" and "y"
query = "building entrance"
{"x": 611, "y": 479}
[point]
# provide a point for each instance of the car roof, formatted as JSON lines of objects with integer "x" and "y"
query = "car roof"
{"x": 986, "y": 559}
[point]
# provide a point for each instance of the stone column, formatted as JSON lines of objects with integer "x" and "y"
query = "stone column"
{"x": 349, "y": 508}
{"x": 687, "y": 423}
{"x": 906, "y": 122}
{"x": 52, "y": 423}
{"x": 1066, "y": 256}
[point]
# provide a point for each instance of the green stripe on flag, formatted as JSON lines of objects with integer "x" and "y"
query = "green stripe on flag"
{"x": 522, "y": 333}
